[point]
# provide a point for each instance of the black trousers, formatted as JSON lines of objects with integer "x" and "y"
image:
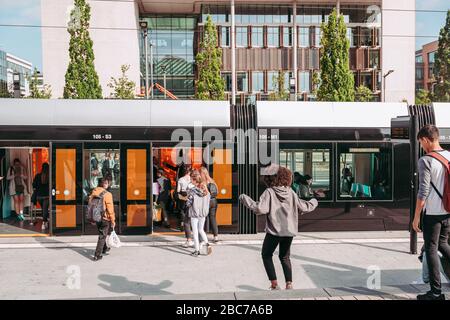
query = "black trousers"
{"x": 212, "y": 221}
{"x": 269, "y": 245}
{"x": 436, "y": 230}
{"x": 44, "y": 202}
{"x": 104, "y": 229}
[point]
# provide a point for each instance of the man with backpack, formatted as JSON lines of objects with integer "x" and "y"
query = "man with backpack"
{"x": 433, "y": 198}
{"x": 101, "y": 212}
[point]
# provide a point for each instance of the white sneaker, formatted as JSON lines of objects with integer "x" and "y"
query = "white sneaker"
{"x": 188, "y": 244}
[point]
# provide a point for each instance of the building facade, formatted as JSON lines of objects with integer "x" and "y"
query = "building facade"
{"x": 425, "y": 66}
{"x": 9, "y": 65}
{"x": 272, "y": 38}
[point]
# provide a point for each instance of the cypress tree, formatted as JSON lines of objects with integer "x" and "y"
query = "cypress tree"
{"x": 81, "y": 78}
{"x": 336, "y": 79}
{"x": 210, "y": 85}
{"x": 442, "y": 64}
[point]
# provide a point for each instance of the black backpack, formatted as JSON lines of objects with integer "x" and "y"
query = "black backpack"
{"x": 96, "y": 208}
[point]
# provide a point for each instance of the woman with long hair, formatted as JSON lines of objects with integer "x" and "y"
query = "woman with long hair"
{"x": 197, "y": 205}
{"x": 213, "y": 191}
{"x": 282, "y": 207}
{"x": 183, "y": 185}
{"x": 17, "y": 186}
{"x": 40, "y": 186}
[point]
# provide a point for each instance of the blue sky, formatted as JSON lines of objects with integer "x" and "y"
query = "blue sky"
{"x": 25, "y": 42}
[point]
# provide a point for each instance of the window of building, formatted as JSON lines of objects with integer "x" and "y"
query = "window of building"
{"x": 352, "y": 36}
{"x": 257, "y": 81}
{"x": 242, "y": 82}
{"x": 431, "y": 56}
{"x": 303, "y": 37}
{"x": 366, "y": 37}
{"x": 241, "y": 37}
{"x": 419, "y": 58}
{"x": 273, "y": 37}
{"x": 317, "y": 36}
{"x": 419, "y": 73}
{"x": 226, "y": 76}
{"x": 374, "y": 59}
{"x": 287, "y": 36}
{"x": 304, "y": 83}
{"x": 257, "y": 37}
{"x": 431, "y": 71}
{"x": 365, "y": 172}
{"x": 225, "y": 37}
{"x": 366, "y": 80}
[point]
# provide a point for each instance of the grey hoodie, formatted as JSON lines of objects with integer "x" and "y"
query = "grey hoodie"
{"x": 282, "y": 207}
{"x": 197, "y": 203}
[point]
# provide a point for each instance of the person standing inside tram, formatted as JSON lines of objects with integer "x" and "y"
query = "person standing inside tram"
{"x": 17, "y": 187}
{"x": 164, "y": 195}
{"x": 213, "y": 191}
{"x": 108, "y": 222}
{"x": 40, "y": 186}
{"x": 282, "y": 206}
{"x": 183, "y": 185}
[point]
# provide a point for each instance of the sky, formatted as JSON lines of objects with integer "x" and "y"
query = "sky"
{"x": 25, "y": 42}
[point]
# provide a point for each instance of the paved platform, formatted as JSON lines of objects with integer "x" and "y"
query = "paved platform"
{"x": 325, "y": 266}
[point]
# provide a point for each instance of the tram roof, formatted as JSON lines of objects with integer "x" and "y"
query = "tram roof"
{"x": 442, "y": 114}
{"x": 328, "y": 114}
{"x": 114, "y": 113}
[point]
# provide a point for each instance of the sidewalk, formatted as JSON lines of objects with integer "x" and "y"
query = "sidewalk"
{"x": 325, "y": 266}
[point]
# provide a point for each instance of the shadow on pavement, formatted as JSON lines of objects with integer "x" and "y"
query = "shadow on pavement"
{"x": 120, "y": 284}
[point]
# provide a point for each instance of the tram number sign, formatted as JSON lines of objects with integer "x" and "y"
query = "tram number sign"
{"x": 102, "y": 136}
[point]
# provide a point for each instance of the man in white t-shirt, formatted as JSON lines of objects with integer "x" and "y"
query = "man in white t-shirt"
{"x": 436, "y": 221}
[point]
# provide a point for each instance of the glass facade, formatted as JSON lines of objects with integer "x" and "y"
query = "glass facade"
{"x": 3, "y": 75}
{"x": 176, "y": 40}
{"x": 172, "y": 40}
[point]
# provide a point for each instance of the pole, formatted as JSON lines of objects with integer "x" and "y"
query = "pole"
{"x": 384, "y": 88}
{"x": 146, "y": 62}
{"x": 294, "y": 48}
{"x": 233, "y": 56}
{"x": 165, "y": 90}
{"x": 151, "y": 69}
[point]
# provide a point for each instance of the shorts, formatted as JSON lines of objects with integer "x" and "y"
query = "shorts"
{"x": 18, "y": 194}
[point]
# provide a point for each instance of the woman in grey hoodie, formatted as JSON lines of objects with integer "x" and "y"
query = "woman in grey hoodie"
{"x": 282, "y": 207}
{"x": 197, "y": 205}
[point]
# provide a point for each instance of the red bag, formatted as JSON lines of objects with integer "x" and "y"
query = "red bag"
{"x": 446, "y": 196}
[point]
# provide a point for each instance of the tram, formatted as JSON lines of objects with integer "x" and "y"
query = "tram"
{"x": 344, "y": 153}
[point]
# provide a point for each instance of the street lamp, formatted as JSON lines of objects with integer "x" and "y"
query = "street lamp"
{"x": 144, "y": 28}
{"x": 384, "y": 83}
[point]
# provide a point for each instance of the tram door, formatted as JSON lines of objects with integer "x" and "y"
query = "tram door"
{"x": 101, "y": 161}
{"x": 135, "y": 186}
{"x": 67, "y": 218}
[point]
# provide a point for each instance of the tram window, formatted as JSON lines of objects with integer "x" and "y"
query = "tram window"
{"x": 311, "y": 169}
{"x": 365, "y": 173}
{"x": 102, "y": 164}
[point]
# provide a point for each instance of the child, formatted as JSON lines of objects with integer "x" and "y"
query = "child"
{"x": 197, "y": 205}
{"x": 282, "y": 206}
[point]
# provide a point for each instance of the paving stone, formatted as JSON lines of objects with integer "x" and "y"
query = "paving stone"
{"x": 197, "y": 296}
{"x": 348, "y": 298}
{"x": 281, "y": 294}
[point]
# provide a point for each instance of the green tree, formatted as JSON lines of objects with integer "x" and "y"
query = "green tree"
{"x": 336, "y": 79}
{"x": 423, "y": 97}
{"x": 442, "y": 64}
{"x": 363, "y": 94}
{"x": 279, "y": 91}
{"x": 210, "y": 85}
{"x": 81, "y": 78}
{"x": 123, "y": 88}
{"x": 35, "y": 91}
